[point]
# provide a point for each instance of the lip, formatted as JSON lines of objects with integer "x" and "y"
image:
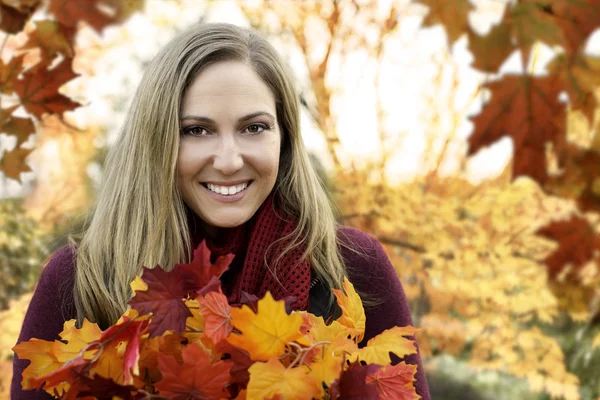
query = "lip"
{"x": 232, "y": 183}
{"x": 227, "y": 198}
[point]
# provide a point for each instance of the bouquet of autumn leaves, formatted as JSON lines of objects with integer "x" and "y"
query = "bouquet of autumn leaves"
{"x": 180, "y": 339}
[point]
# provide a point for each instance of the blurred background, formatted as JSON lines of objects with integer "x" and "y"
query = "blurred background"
{"x": 462, "y": 134}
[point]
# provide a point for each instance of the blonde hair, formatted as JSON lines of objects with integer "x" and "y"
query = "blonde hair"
{"x": 140, "y": 218}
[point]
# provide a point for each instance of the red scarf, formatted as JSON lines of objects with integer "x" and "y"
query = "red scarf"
{"x": 248, "y": 273}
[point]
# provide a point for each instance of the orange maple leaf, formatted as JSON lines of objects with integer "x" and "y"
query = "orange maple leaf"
{"x": 395, "y": 382}
{"x": 196, "y": 377}
{"x": 217, "y": 316}
{"x": 529, "y": 111}
{"x": 43, "y": 362}
{"x": 265, "y": 334}
{"x": 353, "y": 313}
{"x": 38, "y": 89}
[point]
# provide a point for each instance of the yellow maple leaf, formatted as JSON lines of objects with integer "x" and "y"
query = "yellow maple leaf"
{"x": 76, "y": 340}
{"x": 42, "y": 360}
{"x": 353, "y": 314}
{"x": 391, "y": 340}
{"x": 273, "y": 379}
{"x": 327, "y": 364}
{"x": 138, "y": 285}
{"x": 319, "y": 331}
{"x": 265, "y": 334}
{"x": 110, "y": 364}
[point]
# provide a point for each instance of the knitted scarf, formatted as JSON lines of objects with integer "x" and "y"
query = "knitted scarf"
{"x": 248, "y": 273}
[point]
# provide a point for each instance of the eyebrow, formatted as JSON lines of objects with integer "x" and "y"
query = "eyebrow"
{"x": 243, "y": 119}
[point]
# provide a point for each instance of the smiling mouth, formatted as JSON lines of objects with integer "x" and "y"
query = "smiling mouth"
{"x": 227, "y": 190}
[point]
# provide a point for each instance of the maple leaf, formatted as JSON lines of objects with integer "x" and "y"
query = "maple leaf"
{"x": 76, "y": 339}
{"x": 49, "y": 37}
{"x": 531, "y": 23}
{"x": 66, "y": 381}
{"x": 42, "y": 360}
{"x": 352, "y": 384}
{"x": 319, "y": 331}
{"x": 196, "y": 378}
{"x": 164, "y": 299}
{"x": 577, "y": 243}
{"x": 200, "y": 272}
{"x": 577, "y": 19}
{"x": 217, "y": 317}
{"x": 528, "y": 110}
{"x": 125, "y": 331}
{"x": 9, "y": 73}
{"x": 391, "y": 340}
{"x": 491, "y": 50}
{"x": 69, "y": 13}
{"x": 38, "y": 89}
{"x": 353, "y": 314}
{"x": 21, "y": 128}
{"x": 241, "y": 362}
{"x": 395, "y": 382}
{"x": 327, "y": 364}
{"x": 452, "y": 14}
{"x": 272, "y": 378}
{"x": 167, "y": 344}
{"x": 265, "y": 334}
{"x": 12, "y": 20}
{"x": 13, "y": 162}
{"x": 580, "y": 75}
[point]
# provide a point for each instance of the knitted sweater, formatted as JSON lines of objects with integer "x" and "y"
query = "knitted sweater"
{"x": 369, "y": 270}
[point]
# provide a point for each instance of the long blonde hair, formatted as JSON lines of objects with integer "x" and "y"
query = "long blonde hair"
{"x": 139, "y": 217}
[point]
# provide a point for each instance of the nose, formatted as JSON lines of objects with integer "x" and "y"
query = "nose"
{"x": 228, "y": 157}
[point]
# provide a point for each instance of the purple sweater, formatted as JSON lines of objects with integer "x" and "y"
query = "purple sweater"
{"x": 371, "y": 273}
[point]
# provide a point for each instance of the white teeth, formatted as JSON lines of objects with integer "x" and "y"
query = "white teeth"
{"x": 227, "y": 190}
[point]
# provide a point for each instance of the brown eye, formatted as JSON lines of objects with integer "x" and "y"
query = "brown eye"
{"x": 195, "y": 131}
{"x": 256, "y": 128}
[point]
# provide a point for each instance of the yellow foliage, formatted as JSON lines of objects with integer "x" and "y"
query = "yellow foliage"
{"x": 471, "y": 255}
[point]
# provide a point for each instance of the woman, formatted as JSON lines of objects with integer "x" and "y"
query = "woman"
{"x": 211, "y": 149}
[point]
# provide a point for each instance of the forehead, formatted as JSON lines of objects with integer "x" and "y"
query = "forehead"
{"x": 231, "y": 86}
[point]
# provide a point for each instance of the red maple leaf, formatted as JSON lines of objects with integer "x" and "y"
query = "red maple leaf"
{"x": 196, "y": 378}
{"x": 38, "y": 89}
{"x": 577, "y": 243}
{"x": 241, "y": 362}
{"x": 164, "y": 299}
{"x": 395, "y": 382}
{"x": 199, "y": 276}
{"x": 353, "y": 383}
{"x": 528, "y": 110}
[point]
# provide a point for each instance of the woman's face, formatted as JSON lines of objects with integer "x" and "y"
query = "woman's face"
{"x": 229, "y": 149}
